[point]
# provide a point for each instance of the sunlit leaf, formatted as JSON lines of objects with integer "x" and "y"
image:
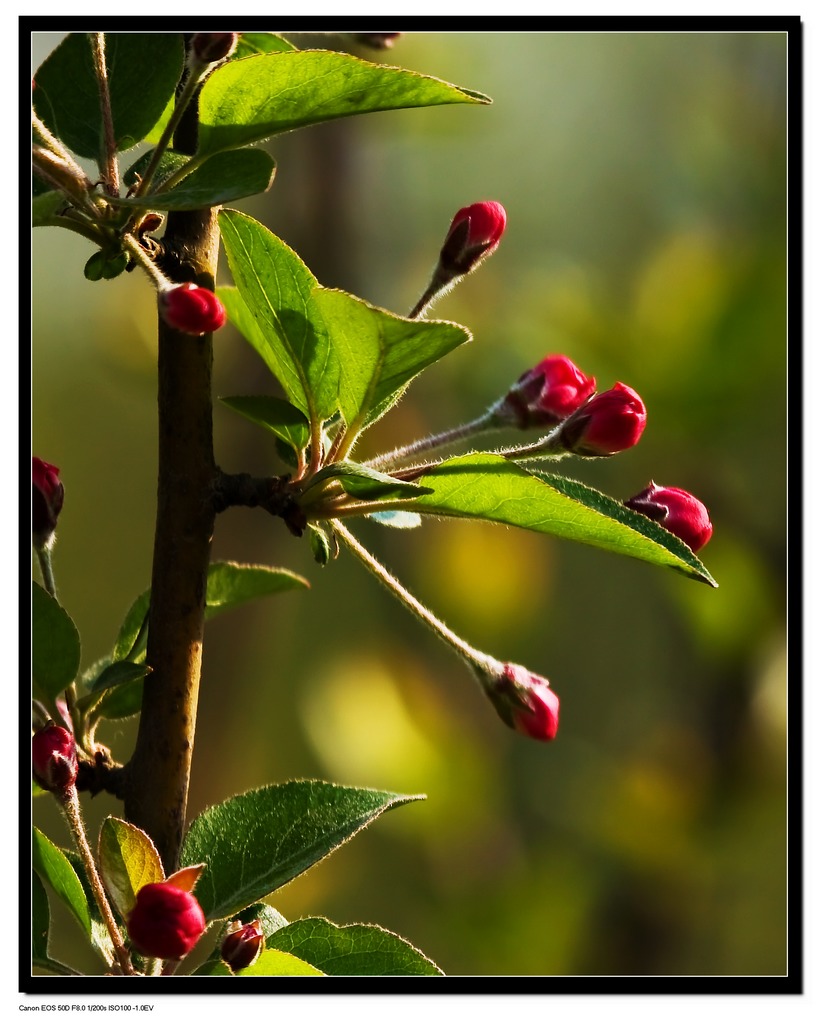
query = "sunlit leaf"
{"x": 128, "y": 860}
{"x": 256, "y": 842}
{"x": 492, "y": 488}
{"x": 245, "y": 101}
{"x": 364, "y": 949}
{"x": 286, "y": 328}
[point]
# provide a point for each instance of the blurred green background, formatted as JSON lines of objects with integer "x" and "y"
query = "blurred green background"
{"x": 644, "y": 179}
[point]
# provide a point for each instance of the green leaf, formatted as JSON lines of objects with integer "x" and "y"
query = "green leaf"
{"x": 220, "y": 179}
{"x": 44, "y": 208}
{"x": 55, "y": 644}
{"x": 273, "y": 962}
{"x": 363, "y": 482}
{"x": 122, "y": 701}
{"x": 245, "y": 101}
{"x": 365, "y": 949}
{"x": 289, "y": 332}
{"x": 169, "y": 163}
{"x": 257, "y": 842}
{"x": 122, "y": 686}
{"x": 117, "y": 673}
{"x": 231, "y": 584}
{"x": 143, "y": 69}
{"x": 128, "y": 860}
{"x": 40, "y": 919}
{"x": 485, "y": 486}
{"x": 275, "y": 414}
{"x": 52, "y": 865}
{"x": 214, "y": 967}
{"x": 380, "y": 352}
{"x": 251, "y": 43}
{"x": 132, "y": 630}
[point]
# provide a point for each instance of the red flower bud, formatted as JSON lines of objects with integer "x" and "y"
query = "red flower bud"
{"x": 678, "y": 511}
{"x": 546, "y": 394}
{"x": 47, "y": 493}
{"x": 473, "y": 235}
{"x": 522, "y": 699}
{"x": 165, "y": 921}
{"x": 241, "y": 948}
{"x": 191, "y": 309}
{"x": 608, "y": 423}
{"x": 54, "y": 758}
{"x": 209, "y": 47}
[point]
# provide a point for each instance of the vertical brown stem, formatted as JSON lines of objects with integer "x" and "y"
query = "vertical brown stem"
{"x": 156, "y": 786}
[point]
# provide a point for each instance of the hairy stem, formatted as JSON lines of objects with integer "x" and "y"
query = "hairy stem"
{"x": 71, "y": 809}
{"x": 108, "y": 157}
{"x": 157, "y": 777}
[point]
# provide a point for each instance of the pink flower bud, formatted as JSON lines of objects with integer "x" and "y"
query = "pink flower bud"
{"x": 473, "y": 235}
{"x": 608, "y": 423}
{"x": 47, "y": 493}
{"x": 54, "y": 758}
{"x": 165, "y": 921}
{"x": 546, "y": 395}
{"x": 191, "y": 309}
{"x": 522, "y": 699}
{"x": 241, "y": 948}
{"x": 678, "y": 511}
{"x": 209, "y": 47}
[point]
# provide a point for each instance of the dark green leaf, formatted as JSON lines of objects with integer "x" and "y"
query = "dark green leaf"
{"x": 132, "y": 630}
{"x": 169, "y": 163}
{"x": 222, "y": 178}
{"x": 251, "y": 43}
{"x": 489, "y": 487}
{"x": 289, "y": 332}
{"x": 123, "y": 676}
{"x": 379, "y": 352}
{"x": 117, "y": 673}
{"x": 55, "y": 644}
{"x": 44, "y": 208}
{"x": 257, "y": 842}
{"x": 364, "y": 949}
{"x": 231, "y": 584}
{"x": 363, "y": 482}
{"x": 275, "y": 414}
{"x": 143, "y": 69}
{"x": 120, "y": 701}
{"x": 40, "y": 918}
{"x": 52, "y": 865}
{"x": 274, "y": 963}
{"x": 245, "y": 101}
{"x": 128, "y": 860}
